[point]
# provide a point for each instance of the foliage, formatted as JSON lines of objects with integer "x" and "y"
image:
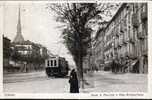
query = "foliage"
{"x": 78, "y": 17}
{"x": 29, "y": 58}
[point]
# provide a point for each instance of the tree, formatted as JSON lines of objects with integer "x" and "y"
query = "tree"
{"x": 15, "y": 55}
{"x": 77, "y": 18}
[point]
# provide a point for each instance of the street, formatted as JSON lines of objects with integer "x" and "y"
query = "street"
{"x": 75, "y": 47}
{"x": 110, "y": 82}
{"x": 38, "y": 82}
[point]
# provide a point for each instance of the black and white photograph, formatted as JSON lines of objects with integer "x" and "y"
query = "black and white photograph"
{"x": 74, "y": 48}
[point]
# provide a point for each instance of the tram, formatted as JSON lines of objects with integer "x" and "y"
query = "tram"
{"x": 56, "y": 66}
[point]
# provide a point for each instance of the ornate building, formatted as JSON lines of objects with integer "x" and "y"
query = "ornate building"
{"x": 95, "y": 57}
{"x": 19, "y": 38}
{"x": 126, "y": 37}
{"x": 29, "y": 52}
{"x": 6, "y": 53}
{"x": 22, "y": 46}
{"x": 98, "y": 46}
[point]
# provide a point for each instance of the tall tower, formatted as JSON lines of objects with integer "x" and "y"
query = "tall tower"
{"x": 19, "y": 38}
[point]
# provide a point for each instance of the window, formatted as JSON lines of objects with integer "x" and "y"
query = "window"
{"x": 146, "y": 45}
{"x": 54, "y": 62}
{"x": 145, "y": 28}
{"x": 51, "y": 62}
{"x": 48, "y": 63}
{"x": 25, "y": 52}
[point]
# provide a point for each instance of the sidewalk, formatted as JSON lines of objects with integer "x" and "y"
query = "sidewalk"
{"x": 103, "y": 81}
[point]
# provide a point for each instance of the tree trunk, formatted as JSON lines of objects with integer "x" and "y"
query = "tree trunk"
{"x": 80, "y": 70}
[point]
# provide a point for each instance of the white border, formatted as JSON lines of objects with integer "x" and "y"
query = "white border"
{"x": 81, "y": 95}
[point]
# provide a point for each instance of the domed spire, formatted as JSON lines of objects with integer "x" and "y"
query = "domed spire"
{"x": 19, "y": 38}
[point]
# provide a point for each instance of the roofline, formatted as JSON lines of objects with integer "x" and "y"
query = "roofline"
{"x": 101, "y": 29}
{"x": 6, "y": 38}
{"x": 119, "y": 10}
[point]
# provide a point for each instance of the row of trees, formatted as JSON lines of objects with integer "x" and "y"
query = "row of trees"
{"x": 78, "y": 19}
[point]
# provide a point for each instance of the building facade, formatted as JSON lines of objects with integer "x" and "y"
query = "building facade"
{"x": 95, "y": 57}
{"x": 26, "y": 55}
{"x": 6, "y": 53}
{"x": 98, "y": 46}
{"x": 43, "y": 51}
{"x": 126, "y": 37}
{"x": 26, "y": 48}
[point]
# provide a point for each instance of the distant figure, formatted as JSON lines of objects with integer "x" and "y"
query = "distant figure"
{"x": 113, "y": 65}
{"x": 116, "y": 69}
{"x": 74, "y": 85}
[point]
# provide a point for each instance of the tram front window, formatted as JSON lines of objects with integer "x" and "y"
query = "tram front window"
{"x": 48, "y": 63}
{"x": 51, "y": 63}
{"x": 54, "y": 62}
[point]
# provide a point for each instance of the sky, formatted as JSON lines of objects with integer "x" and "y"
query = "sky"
{"x": 38, "y": 25}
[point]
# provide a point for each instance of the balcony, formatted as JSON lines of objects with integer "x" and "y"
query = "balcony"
{"x": 127, "y": 39}
{"x": 122, "y": 28}
{"x": 124, "y": 42}
{"x": 127, "y": 6}
{"x": 131, "y": 40}
{"x": 140, "y": 35}
{"x": 117, "y": 35}
{"x": 116, "y": 44}
{"x": 135, "y": 21}
{"x": 126, "y": 54}
{"x": 144, "y": 16}
{"x": 145, "y": 52}
{"x": 132, "y": 56}
{"x": 119, "y": 45}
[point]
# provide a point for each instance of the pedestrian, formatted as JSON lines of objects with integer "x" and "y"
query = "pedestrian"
{"x": 113, "y": 66}
{"x": 74, "y": 85}
{"x": 121, "y": 64}
{"x": 116, "y": 69}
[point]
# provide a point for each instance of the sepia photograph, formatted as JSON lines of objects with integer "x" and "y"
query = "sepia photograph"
{"x": 75, "y": 47}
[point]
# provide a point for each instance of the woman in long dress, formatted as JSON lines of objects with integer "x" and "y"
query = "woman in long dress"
{"x": 74, "y": 85}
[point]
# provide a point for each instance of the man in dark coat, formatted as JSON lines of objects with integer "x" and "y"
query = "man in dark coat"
{"x": 74, "y": 85}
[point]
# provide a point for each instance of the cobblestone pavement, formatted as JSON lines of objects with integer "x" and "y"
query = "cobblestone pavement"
{"x": 109, "y": 82}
